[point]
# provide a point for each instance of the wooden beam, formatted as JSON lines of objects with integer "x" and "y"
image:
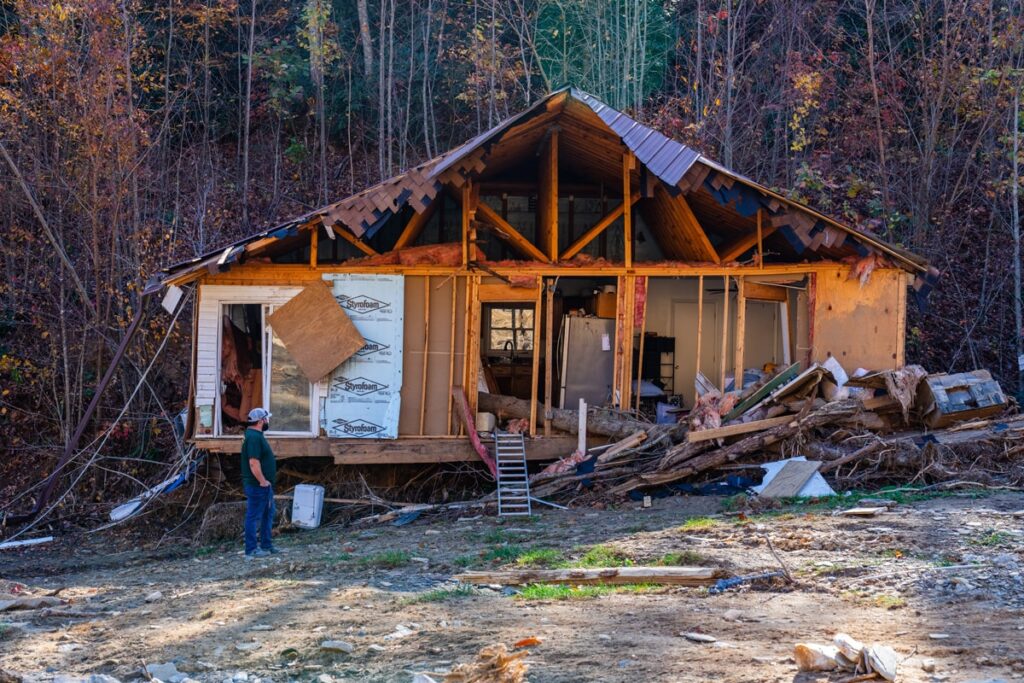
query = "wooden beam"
{"x": 694, "y": 230}
{"x": 547, "y": 198}
{"x": 535, "y": 372}
{"x": 741, "y": 332}
{"x": 313, "y": 244}
{"x": 466, "y": 201}
{"x": 426, "y": 352}
{"x": 599, "y": 227}
{"x": 739, "y": 247}
{"x": 760, "y": 241}
{"x": 640, "y": 363}
{"x": 451, "y": 351}
{"x": 494, "y": 292}
{"x": 549, "y": 314}
{"x": 506, "y": 232}
{"x": 700, "y": 335}
{"x": 627, "y": 213}
{"x": 356, "y": 242}
{"x": 722, "y": 362}
{"x": 739, "y": 428}
{"x": 473, "y": 359}
{"x": 626, "y": 367}
{"x": 415, "y": 226}
{"x": 763, "y": 291}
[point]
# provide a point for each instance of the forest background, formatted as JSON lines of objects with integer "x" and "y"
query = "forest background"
{"x": 136, "y": 134}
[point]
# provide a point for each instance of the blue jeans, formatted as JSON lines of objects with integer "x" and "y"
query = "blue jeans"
{"x": 259, "y": 514}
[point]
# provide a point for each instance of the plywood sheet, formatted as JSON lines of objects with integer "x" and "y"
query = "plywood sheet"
{"x": 788, "y": 482}
{"x": 860, "y": 325}
{"x": 316, "y": 331}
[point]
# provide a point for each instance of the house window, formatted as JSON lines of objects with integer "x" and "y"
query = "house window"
{"x": 509, "y": 329}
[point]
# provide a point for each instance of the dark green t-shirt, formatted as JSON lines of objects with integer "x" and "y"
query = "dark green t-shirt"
{"x": 255, "y": 446}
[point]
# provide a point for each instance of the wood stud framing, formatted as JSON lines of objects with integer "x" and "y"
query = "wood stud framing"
{"x": 741, "y": 331}
{"x": 549, "y": 306}
{"x": 723, "y": 363}
{"x": 700, "y": 334}
{"x": 627, "y": 208}
{"x": 535, "y": 378}
{"x": 426, "y": 352}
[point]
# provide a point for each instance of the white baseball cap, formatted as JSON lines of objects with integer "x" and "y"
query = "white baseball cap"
{"x": 257, "y": 414}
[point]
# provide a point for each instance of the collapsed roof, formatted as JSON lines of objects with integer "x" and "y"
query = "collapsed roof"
{"x": 696, "y": 209}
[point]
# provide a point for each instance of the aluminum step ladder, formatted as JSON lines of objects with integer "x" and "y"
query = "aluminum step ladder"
{"x": 513, "y": 481}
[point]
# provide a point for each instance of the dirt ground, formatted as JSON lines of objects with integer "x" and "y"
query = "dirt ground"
{"x": 939, "y": 580}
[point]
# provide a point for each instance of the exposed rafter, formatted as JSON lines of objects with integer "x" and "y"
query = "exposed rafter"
{"x": 362, "y": 246}
{"x": 414, "y": 227}
{"x": 599, "y": 227}
{"x": 509, "y": 234}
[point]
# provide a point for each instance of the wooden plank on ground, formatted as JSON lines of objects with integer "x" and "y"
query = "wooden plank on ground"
{"x": 676, "y": 576}
{"x": 790, "y": 479}
{"x": 737, "y": 429}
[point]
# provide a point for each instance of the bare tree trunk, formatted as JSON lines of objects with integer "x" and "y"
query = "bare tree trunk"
{"x": 364, "y": 37}
{"x": 248, "y": 112}
{"x": 869, "y": 6}
{"x": 1018, "y": 314}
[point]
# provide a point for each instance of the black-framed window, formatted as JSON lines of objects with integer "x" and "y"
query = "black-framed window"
{"x": 509, "y": 328}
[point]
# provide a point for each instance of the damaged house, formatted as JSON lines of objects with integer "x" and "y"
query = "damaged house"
{"x": 568, "y": 253}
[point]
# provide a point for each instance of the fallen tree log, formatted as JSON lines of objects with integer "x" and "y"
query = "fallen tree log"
{"x": 676, "y": 576}
{"x": 598, "y": 421}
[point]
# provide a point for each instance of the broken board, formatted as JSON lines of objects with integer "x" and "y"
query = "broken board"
{"x": 316, "y": 331}
{"x": 793, "y": 476}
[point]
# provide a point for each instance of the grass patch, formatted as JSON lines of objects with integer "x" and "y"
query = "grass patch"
{"x": 334, "y": 558}
{"x": 464, "y": 561}
{"x": 602, "y": 556}
{"x": 886, "y": 601}
{"x": 499, "y": 536}
{"x": 537, "y": 591}
{"x": 503, "y": 554}
{"x": 698, "y": 524}
{"x": 440, "y": 595}
{"x": 389, "y": 560}
{"x": 992, "y": 539}
{"x": 685, "y": 558}
{"x": 539, "y": 557}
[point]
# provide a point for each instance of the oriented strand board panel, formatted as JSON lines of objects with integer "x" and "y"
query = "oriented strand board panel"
{"x": 861, "y": 325}
{"x": 316, "y": 331}
{"x": 436, "y": 415}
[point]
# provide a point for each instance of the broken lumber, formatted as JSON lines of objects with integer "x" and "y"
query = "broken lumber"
{"x": 687, "y": 459}
{"x": 676, "y": 576}
{"x": 620, "y": 448}
{"x": 737, "y": 429}
{"x": 561, "y": 419}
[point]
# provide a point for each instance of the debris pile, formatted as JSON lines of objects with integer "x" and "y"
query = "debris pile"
{"x": 865, "y": 429}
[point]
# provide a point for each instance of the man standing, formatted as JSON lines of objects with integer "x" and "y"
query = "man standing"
{"x": 259, "y": 470}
